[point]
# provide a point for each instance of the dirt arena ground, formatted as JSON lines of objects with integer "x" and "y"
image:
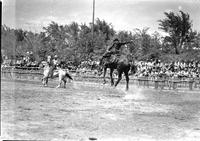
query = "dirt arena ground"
{"x": 89, "y": 111}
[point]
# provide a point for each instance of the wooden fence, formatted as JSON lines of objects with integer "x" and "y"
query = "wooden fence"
{"x": 161, "y": 83}
{"x": 170, "y": 83}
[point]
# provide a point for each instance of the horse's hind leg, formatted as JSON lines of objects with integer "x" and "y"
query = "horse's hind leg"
{"x": 119, "y": 78}
{"x": 60, "y": 81}
{"x": 127, "y": 80}
{"x": 65, "y": 81}
{"x": 111, "y": 77}
{"x": 59, "y": 84}
{"x": 104, "y": 75}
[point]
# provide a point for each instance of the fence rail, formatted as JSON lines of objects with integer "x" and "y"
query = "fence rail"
{"x": 36, "y": 74}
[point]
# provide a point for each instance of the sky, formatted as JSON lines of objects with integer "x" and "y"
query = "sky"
{"x": 122, "y": 14}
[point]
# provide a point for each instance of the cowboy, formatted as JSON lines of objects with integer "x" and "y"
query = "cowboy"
{"x": 51, "y": 64}
{"x": 115, "y": 48}
{"x": 49, "y": 59}
{"x": 55, "y": 60}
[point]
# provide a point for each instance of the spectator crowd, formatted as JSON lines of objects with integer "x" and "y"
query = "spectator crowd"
{"x": 21, "y": 61}
{"x": 150, "y": 68}
{"x": 179, "y": 69}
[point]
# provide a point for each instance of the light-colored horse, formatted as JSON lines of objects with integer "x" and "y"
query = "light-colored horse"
{"x": 62, "y": 76}
{"x": 51, "y": 72}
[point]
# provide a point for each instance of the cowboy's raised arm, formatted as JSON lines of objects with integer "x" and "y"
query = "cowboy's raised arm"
{"x": 110, "y": 47}
{"x": 123, "y": 43}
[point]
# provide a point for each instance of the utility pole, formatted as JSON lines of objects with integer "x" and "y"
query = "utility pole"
{"x": 92, "y": 42}
{"x": 93, "y": 23}
{"x": 93, "y": 20}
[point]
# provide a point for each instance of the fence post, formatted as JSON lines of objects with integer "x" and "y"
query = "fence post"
{"x": 174, "y": 84}
{"x": 147, "y": 82}
{"x": 156, "y": 84}
{"x": 190, "y": 84}
{"x": 162, "y": 84}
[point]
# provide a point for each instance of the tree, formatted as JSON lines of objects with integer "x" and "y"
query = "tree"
{"x": 8, "y": 43}
{"x": 105, "y": 28}
{"x": 58, "y": 38}
{"x": 179, "y": 29}
{"x": 19, "y": 33}
{"x": 92, "y": 49}
{"x": 197, "y": 41}
{"x": 142, "y": 42}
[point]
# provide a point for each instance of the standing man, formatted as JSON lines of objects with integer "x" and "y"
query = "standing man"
{"x": 51, "y": 65}
{"x": 49, "y": 59}
{"x": 56, "y": 61}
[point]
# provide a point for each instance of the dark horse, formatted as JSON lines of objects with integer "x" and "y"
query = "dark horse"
{"x": 121, "y": 64}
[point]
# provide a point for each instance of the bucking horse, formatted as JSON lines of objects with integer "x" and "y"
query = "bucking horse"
{"x": 120, "y": 62}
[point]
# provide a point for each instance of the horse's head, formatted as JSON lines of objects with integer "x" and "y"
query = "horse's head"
{"x": 133, "y": 68}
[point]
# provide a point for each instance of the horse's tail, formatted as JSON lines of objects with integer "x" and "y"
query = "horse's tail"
{"x": 67, "y": 75}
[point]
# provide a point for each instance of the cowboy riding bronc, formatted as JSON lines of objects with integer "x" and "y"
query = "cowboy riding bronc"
{"x": 114, "y": 50}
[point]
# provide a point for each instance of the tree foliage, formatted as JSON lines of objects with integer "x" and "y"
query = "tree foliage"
{"x": 76, "y": 43}
{"x": 179, "y": 28}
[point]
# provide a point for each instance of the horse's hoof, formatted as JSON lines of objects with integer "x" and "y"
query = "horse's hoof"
{"x": 58, "y": 87}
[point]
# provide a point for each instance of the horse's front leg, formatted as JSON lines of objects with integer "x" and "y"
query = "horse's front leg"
{"x": 111, "y": 77}
{"x": 44, "y": 81}
{"x": 60, "y": 81}
{"x": 104, "y": 75}
{"x": 59, "y": 84}
{"x": 119, "y": 78}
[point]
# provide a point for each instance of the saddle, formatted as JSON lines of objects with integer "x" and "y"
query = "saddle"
{"x": 113, "y": 58}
